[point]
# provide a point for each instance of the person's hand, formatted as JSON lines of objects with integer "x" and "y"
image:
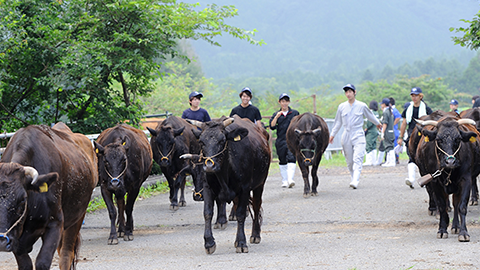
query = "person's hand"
{"x": 278, "y": 114}
{"x": 400, "y": 141}
{"x": 330, "y": 140}
{"x": 379, "y": 126}
{"x": 382, "y": 136}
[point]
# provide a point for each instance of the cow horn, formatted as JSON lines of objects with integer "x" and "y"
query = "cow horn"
{"x": 427, "y": 122}
{"x": 315, "y": 131}
{"x": 195, "y": 123}
{"x": 32, "y": 172}
{"x": 186, "y": 156}
{"x": 227, "y": 121}
{"x": 298, "y": 131}
{"x": 466, "y": 121}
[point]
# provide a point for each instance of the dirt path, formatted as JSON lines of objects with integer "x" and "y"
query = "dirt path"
{"x": 381, "y": 225}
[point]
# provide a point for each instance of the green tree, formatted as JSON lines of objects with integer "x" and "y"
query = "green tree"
{"x": 471, "y": 34}
{"x": 89, "y": 61}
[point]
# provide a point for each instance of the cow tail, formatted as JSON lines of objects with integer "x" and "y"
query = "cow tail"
{"x": 76, "y": 249}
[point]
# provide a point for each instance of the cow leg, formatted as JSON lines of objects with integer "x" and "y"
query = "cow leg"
{"x": 221, "y": 215}
{"x": 50, "y": 238}
{"x": 474, "y": 199}
{"x": 182, "y": 181}
{"x": 462, "y": 205}
{"x": 120, "y": 198}
{"x": 21, "y": 256}
{"x": 240, "y": 241}
{"x": 257, "y": 215}
{"x": 69, "y": 245}
{"x": 233, "y": 211}
{"x": 112, "y": 212}
{"x": 441, "y": 199}
{"x": 210, "y": 245}
{"x": 315, "y": 179}
{"x": 173, "y": 192}
{"x": 131, "y": 197}
{"x": 306, "y": 185}
{"x": 432, "y": 205}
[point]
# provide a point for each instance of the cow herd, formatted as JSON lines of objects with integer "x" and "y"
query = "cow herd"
{"x": 47, "y": 176}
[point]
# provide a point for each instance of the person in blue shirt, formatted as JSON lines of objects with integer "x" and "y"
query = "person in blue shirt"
{"x": 397, "y": 115}
{"x": 195, "y": 112}
{"x": 454, "y": 106}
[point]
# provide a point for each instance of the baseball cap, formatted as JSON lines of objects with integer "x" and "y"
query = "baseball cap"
{"x": 283, "y": 95}
{"x": 195, "y": 94}
{"x": 454, "y": 102}
{"x": 349, "y": 86}
{"x": 386, "y": 101}
{"x": 416, "y": 91}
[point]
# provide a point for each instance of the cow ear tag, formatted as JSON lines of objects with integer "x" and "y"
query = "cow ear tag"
{"x": 43, "y": 187}
{"x": 123, "y": 143}
{"x": 237, "y": 138}
{"x": 427, "y": 139}
{"x": 473, "y": 139}
{"x": 419, "y": 133}
{"x": 96, "y": 150}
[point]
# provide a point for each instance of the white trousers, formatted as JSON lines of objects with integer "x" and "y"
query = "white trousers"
{"x": 354, "y": 154}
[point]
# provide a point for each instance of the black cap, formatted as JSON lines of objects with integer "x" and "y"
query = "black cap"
{"x": 283, "y": 95}
{"x": 195, "y": 94}
{"x": 349, "y": 86}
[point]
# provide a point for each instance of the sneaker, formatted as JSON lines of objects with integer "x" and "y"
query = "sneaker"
{"x": 291, "y": 184}
{"x": 408, "y": 183}
{"x": 284, "y": 185}
{"x": 353, "y": 185}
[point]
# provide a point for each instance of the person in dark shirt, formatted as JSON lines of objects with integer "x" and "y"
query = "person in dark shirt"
{"x": 280, "y": 121}
{"x": 195, "y": 112}
{"x": 415, "y": 110}
{"x": 246, "y": 110}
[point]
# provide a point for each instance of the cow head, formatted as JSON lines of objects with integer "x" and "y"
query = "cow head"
{"x": 214, "y": 139}
{"x": 113, "y": 162}
{"x": 448, "y": 138}
{"x": 164, "y": 144}
{"x": 307, "y": 143}
{"x": 15, "y": 181}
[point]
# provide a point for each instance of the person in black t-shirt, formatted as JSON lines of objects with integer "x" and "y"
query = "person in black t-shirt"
{"x": 415, "y": 110}
{"x": 195, "y": 112}
{"x": 246, "y": 110}
{"x": 280, "y": 121}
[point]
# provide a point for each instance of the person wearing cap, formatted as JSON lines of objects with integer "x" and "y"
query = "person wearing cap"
{"x": 195, "y": 112}
{"x": 280, "y": 121}
{"x": 387, "y": 133}
{"x": 350, "y": 115}
{"x": 371, "y": 135}
{"x": 454, "y": 106}
{"x": 474, "y": 99}
{"x": 247, "y": 110}
{"x": 415, "y": 110}
{"x": 396, "y": 130}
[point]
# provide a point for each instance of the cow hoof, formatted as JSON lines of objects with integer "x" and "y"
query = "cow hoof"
{"x": 255, "y": 240}
{"x": 182, "y": 204}
{"x": 442, "y": 235}
{"x": 232, "y": 218}
{"x": 174, "y": 207}
{"x": 113, "y": 241}
{"x": 314, "y": 193}
{"x": 120, "y": 234}
{"x": 464, "y": 238}
{"x": 220, "y": 226}
{"x": 210, "y": 250}
{"x": 242, "y": 250}
{"x": 455, "y": 231}
{"x": 306, "y": 195}
{"x": 128, "y": 237}
{"x": 473, "y": 202}
{"x": 432, "y": 212}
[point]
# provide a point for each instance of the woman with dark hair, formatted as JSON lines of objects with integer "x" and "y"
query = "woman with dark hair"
{"x": 388, "y": 135}
{"x": 371, "y": 135}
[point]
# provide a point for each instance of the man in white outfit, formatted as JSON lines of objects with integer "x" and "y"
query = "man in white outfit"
{"x": 350, "y": 115}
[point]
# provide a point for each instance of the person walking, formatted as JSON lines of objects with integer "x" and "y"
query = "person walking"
{"x": 247, "y": 110}
{"x": 195, "y": 112}
{"x": 371, "y": 135}
{"x": 280, "y": 121}
{"x": 388, "y": 135}
{"x": 350, "y": 115}
{"x": 396, "y": 130}
{"x": 454, "y": 106}
{"x": 415, "y": 110}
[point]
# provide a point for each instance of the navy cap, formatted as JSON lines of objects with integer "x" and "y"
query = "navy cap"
{"x": 416, "y": 91}
{"x": 454, "y": 102}
{"x": 349, "y": 86}
{"x": 195, "y": 94}
{"x": 386, "y": 101}
{"x": 283, "y": 96}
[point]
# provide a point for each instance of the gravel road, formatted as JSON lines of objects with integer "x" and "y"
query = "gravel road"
{"x": 381, "y": 225}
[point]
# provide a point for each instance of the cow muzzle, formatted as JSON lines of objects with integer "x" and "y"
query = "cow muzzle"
{"x": 5, "y": 243}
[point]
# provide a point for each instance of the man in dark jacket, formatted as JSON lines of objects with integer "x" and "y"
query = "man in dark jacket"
{"x": 280, "y": 121}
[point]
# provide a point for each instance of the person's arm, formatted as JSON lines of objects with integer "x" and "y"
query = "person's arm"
{"x": 402, "y": 131}
{"x": 371, "y": 117}
{"x": 273, "y": 120}
{"x": 207, "y": 117}
{"x": 336, "y": 124}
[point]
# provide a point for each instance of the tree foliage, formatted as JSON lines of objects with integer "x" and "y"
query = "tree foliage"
{"x": 88, "y": 61}
{"x": 471, "y": 34}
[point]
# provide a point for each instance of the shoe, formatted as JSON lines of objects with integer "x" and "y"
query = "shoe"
{"x": 284, "y": 185}
{"x": 408, "y": 183}
{"x": 291, "y": 184}
{"x": 353, "y": 185}
{"x": 290, "y": 174}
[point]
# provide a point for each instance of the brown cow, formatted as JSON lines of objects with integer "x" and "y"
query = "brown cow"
{"x": 124, "y": 163}
{"x": 47, "y": 176}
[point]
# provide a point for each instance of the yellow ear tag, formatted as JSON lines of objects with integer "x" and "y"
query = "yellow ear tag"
{"x": 96, "y": 150}
{"x": 419, "y": 133}
{"x": 473, "y": 139}
{"x": 43, "y": 188}
{"x": 427, "y": 139}
{"x": 181, "y": 134}
{"x": 237, "y": 138}
{"x": 123, "y": 143}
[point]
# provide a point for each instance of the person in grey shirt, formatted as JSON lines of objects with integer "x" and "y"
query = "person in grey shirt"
{"x": 350, "y": 115}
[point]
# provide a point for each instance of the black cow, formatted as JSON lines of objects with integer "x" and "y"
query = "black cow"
{"x": 124, "y": 163}
{"x": 449, "y": 152}
{"x": 47, "y": 176}
{"x": 307, "y": 138}
{"x": 172, "y": 138}
{"x": 473, "y": 114}
{"x": 236, "y": 159}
